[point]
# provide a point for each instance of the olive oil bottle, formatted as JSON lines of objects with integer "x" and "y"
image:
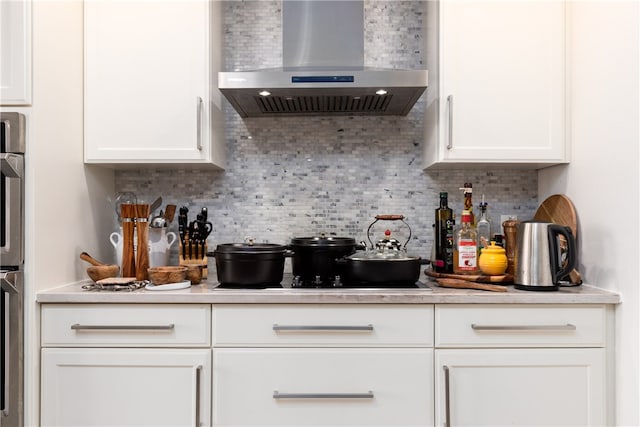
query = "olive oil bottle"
{"x": 443, "y": 239}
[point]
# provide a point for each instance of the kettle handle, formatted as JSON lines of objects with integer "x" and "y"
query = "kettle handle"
{"x": 557, "y": 271}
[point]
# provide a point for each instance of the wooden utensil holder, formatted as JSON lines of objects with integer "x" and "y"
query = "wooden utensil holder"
{"x": 198, "y": 257}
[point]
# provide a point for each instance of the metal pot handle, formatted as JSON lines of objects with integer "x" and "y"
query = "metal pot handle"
{"x": 388, "y": 218}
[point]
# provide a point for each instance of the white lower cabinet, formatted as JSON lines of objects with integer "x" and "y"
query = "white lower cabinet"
{"x": 323, "y": 387}
{"x": 522, "y": 365}
{"x": 322, "y": 365}
{"x": 520, "y": 387}
{"x": 125, "y": 387}
{"x": 327, "y": 365}
{"x": 126, "y": 365}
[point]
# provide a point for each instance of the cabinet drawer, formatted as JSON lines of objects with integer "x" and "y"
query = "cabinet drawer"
{"x": 322, "y": 325}
{"x": 323, "y": 387}
{"x": 520, "y": 326}
{"x": 126, "y": 325}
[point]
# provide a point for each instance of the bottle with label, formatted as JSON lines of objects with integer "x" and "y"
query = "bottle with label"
{"x": 467, "y": 191}
{"x": 465, "y": 252}
{"x": 443, "y": 237}
{"x": 483, "y": 226}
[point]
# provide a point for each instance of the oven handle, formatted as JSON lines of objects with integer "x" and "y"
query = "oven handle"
{"x": 8, "y": 282}
{"x": 7, "y": 287}
{"x": 11, "y": 165}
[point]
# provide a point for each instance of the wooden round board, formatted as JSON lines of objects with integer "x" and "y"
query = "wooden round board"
{"x": 560, "y": 210}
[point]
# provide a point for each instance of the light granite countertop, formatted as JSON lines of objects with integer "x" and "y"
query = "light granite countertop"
{"x": 208, "y": 293}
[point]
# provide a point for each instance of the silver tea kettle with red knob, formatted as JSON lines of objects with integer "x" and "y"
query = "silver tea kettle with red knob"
{"x": 542, "y": 261}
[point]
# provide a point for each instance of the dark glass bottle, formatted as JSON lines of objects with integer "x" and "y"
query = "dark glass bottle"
{"x": 444, "y": 236}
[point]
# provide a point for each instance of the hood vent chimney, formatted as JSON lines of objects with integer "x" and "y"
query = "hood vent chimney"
{"x": 323, "y": 69}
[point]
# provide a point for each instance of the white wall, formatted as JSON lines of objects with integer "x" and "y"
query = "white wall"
{"x": 603, "y": 179}
{"x": 66, "y": 204}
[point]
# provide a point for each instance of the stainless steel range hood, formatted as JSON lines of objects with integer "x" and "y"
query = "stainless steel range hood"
{"x": 323, "y": 72}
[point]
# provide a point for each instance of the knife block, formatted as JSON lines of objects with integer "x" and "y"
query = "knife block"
{"x": 197, "y": 257}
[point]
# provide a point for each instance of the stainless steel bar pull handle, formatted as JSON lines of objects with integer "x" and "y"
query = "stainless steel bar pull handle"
{"x": 79, "y": 327}
{"x": 447, "y": 402}
{"x": 328, "y": 328}
{"x": 199, "y": 124}
{"x": 567, "y": 327}
{"x": 198, "y": 379}
{"x": 278, "y": 395}
{"x": 450, "y": 136}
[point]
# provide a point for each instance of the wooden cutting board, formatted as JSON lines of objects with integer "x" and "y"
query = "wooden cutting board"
{"x": 465, "y": 284}
{"x": 503, "y": 278}
{"x": 559, "y": 209}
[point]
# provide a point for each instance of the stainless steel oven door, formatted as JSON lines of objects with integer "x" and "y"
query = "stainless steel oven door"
{"x": 11, "y": 205}
{"x": 11, "y": 351}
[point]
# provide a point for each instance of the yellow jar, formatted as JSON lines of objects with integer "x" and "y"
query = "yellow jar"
{"x": 493, "y": 260}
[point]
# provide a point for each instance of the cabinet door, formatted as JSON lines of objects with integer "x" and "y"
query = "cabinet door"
{"x": 323, "y": 387}
{"x": 534, "y": 387}
{"x": 501, "y": 82}
{"x": 147, "y": 82}
{"x": 15, "y": 51}
{"x": 125, "y": 387}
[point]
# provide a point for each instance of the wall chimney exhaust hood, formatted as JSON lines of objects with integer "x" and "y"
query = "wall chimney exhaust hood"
{"x": 323, "y": 72}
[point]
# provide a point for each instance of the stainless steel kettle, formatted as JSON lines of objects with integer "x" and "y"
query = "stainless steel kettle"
{"x": 541, "y": 261}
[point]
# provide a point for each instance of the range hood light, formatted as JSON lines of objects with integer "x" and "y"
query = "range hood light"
{"x": 264, "y": 93}
{"x": 381, "y": 92}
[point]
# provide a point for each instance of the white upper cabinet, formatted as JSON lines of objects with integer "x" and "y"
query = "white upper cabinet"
{"x": 15, "y": 51}
{"x": 150, "y": 82}
{"x": 497, "y": 89}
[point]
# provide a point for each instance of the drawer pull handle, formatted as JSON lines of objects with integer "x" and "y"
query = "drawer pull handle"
{"x": 79, "y": 327}
{"x": 567, "y": 327}
{"x": 278, "y": 395}
{"x": 357, "y": 328}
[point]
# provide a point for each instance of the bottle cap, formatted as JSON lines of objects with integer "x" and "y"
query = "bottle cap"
{"x": 466, "y": 216}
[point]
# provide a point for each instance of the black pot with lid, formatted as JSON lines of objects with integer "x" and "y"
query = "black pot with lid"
{"x": 250, "y": 264}
{"x": 314, "y": 259}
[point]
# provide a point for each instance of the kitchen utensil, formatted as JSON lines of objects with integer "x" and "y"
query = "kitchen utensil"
{"x": 155, "y": 205}
{"x": 382, "y": 264}
{"x": 538, "y": 262}
{"x": 167, "y": 274}
{"x": 99, "y": 270}
{"x": 493, "y": 260}
{"x": 559, "y": 209}
{"x": 250, "y": 264}
{"x": 504, "y": 278}
{"x": 169, "y": 212}
{"x": 375, "y": 267}
{"x": 314, "y": 258}
{"x": 158, "y": 221}
{"x": 142, "y": 250}
{"x": 465, "y": 284}
{"x": 128, "y": 232}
